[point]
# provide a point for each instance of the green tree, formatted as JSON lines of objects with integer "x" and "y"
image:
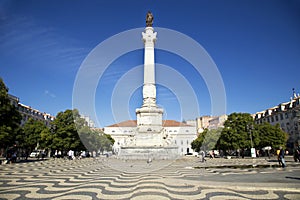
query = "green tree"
{"x": 31, "y": 133}
{"x": 112, "y": 141}
{"x": 89, "y": 138}
{"x": 106, "y": 142}
{"x": 197, "y": 143}
{"x": 9, "y": 118}
{"x": 70, "y": 131}
{"x": 96, "y": 140}
{"x": 211, "y": 139}
{"x": 206, "y": 140}
{"x": 235, "y": 134}
{"x": 271, "y": 136}
{"x": 65, "y": 135}
{"x": 46, "y": 138}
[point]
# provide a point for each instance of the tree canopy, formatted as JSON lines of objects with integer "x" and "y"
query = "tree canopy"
{"x": 240, "y": 132}
{"x": 206, "y": 140}
{"x": 70, "y": 131}
{"x": 271, "y": 136}
{"x": 95, "y": 140}
{"x": 197, "y": 143}
{"x": 9, "y": 118}
{"x": 211, "y": 139}
{"x": 67, "y": 131}
{"x": 64, "y": 135}
{"x": 235, "y": 134}
{"x": 31, "y": 133}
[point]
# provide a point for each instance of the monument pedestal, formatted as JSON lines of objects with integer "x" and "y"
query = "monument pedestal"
{"x": 149, "y": 152}
{"x": 148, "y": 139}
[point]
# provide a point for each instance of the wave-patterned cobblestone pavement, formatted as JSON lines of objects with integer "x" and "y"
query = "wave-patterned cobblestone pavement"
{"x": 117, "y": 179}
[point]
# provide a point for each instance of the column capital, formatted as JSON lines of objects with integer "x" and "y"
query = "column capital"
{"x": 149, "y": 36}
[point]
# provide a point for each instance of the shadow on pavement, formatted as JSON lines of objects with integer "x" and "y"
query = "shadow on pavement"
{"x": 289, "y": 177}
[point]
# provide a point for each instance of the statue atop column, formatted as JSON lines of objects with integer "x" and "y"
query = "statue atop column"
{"x": 149, "y": 19}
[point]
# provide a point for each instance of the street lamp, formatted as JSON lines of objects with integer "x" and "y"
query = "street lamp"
{"x": 250, "y": 128}
{"x": 53, "y": 131}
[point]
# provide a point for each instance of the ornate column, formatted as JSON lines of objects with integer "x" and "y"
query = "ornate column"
{"x": 149, "y": 89}
{"x": 149, "y": 116}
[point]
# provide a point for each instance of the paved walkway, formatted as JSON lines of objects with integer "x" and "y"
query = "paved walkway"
{"x": 186, "y": 178}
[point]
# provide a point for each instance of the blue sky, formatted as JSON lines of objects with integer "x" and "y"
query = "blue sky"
{"x": 254, "y": 44}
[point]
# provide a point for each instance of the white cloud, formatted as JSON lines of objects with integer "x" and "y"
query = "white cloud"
{"x": 22, "y": 37}
{"x": 47, "y": 93}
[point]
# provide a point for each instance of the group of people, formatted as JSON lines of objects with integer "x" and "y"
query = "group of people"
{"x": 59, "y": 154}
{"x": 11, "y": 156}
{"x": 280, "y": 156}
{"x": 72, "y": 155}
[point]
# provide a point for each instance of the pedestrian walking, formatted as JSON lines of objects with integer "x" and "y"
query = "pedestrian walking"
{"x": 59, "y": 155}
{"x": 297, "y": 153}
{"x": 71, "y": 155}
{"x": 212, "y": 154}
{"x": 281, "y": 157}
{"x": 202, "y": 156}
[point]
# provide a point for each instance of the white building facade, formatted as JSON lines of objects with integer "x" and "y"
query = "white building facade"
{"x": 287, "y": 115}
{"x": 28, "y": 112}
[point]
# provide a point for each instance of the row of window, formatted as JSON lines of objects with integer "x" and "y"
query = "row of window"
{"x": 175, "y": 131}
{"x": 113, "y": 131}
{"x": 175, "y": 141}
{"x": 187, "y": 142}
{"x": 30, "y": 111}
{"x": 34, "y": 113}
{"x": 26, "y": 118}
{"x": 276, "y": 118}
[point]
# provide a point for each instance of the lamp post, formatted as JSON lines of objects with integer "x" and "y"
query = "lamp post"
{"x": 53, "y": 131}
{"x": 250, "y": 128}
{"x": 250, "y": 131}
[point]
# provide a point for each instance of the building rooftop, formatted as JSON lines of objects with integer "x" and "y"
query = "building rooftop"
{"x": 279, "y": 108}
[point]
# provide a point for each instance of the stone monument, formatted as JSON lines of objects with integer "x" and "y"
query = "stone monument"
{"x": 149, "y": 139}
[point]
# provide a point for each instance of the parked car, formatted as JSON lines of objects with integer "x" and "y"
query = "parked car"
{"x": 36, "y": 154}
